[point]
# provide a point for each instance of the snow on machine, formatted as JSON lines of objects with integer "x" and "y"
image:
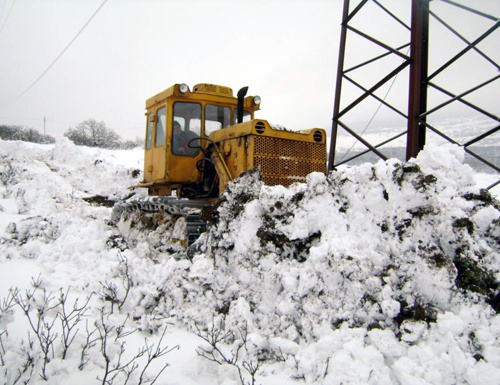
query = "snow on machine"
{"x": 199, "y": 140}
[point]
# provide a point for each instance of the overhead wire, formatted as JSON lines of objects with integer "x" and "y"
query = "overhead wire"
{"x": 374, "y": 114}
{"x": 371, "y": 120}
{"x": 64, "y": 50}
{"x": 8, "y": 14}
{"x": 3, "y": 8}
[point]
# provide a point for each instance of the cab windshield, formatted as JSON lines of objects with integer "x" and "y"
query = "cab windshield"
{"x": 186, "y": 125}
{"x": 216, "y": 117}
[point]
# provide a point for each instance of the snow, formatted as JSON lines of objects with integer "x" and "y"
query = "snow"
{"x": 376, "y": 274}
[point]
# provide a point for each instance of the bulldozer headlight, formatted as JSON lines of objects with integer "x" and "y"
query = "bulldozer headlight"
{"x": 256, "y": 100}
{"x": 183, "y": 88}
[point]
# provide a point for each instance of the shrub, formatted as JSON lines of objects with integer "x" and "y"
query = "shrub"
{"x": 95, "y": 134}
{"x": 92, "y": 133}
{"x": 24, "y": 133}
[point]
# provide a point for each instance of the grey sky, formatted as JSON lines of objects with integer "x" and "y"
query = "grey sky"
{"x": 135, "y": 49}
{"x": 285, "y": 51}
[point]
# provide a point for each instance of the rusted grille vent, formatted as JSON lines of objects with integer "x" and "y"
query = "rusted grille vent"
{"x": 289, "y": 148}
{"x": 260, "y": 127}
{"x": 287, "y": 167}
{"x": 275, "y": 181}
{"x": 283, "y": 161}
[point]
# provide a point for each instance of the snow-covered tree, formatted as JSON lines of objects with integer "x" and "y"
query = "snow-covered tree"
{"x": 92, "y": 133}
{"x": 25, "y": 134}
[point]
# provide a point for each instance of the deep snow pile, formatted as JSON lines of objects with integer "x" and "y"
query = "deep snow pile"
{"x": 392, "y": 259}
{"x": 384, "y": 273}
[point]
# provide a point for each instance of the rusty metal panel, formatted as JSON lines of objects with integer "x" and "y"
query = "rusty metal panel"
{"x": 284, "y": 161}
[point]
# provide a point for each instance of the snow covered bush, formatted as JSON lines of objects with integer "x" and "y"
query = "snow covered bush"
{"x": 61, "y": 336}
{"x": 24, "y": 133}
{"x": 237, "y": 356}
{"x": 92, "y": 133}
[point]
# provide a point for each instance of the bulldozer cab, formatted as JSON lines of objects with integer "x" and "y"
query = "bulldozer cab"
{"x": 176, "y": 120}
{"x": 197, "y": 141}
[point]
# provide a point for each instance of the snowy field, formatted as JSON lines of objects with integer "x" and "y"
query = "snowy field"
{"x": 376, "y": 274}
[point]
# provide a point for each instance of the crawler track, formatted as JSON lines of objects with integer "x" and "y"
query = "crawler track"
{"x": 190, "y": 210}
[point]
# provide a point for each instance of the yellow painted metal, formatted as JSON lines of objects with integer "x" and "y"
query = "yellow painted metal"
{"x": 222, "y": 169}
{"x": 283, "y": 156}
{"x": 163, "y": 170}
{"x": 208, "y": 93}
{"x": 213, "y": 89}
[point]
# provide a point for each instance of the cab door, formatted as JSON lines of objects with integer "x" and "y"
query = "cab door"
{"x": 182, "y": 165}
{"x": 148, "y": 148}
{"x": 159, "y": 148}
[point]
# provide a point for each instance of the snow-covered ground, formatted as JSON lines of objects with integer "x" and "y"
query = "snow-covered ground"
{"x": 376, "y": 274}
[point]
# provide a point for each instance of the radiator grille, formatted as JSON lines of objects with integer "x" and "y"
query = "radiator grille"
{"x": 265, "y": 145}
{"x": 284, "y": 161}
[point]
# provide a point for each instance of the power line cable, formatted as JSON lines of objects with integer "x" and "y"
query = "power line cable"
{"x": 3, "y": 8}
{"x": 64, "y": 50}
{"x": 8, "y": 14}
{"x": 375, "y": 113}
{"x": 372, "y": 118}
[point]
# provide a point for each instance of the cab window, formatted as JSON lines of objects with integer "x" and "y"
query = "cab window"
{"x": 216, "y": 117}
{"x": 161, "y": 120}
{"x": 149, "y": 132}
{"x": 186, "y": 125}
{"x": 247, "y": 116}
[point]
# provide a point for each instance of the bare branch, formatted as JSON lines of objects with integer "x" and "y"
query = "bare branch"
{"x": 215, "y": 353}
{"x": 70, "y": 320}
{"x": 126, "y": 280}
{"x": 152, "y": 354}
{"x": 89, "y": 344}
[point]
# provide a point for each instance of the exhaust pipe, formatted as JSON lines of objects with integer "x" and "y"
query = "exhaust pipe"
{"x": 241, "y": 97}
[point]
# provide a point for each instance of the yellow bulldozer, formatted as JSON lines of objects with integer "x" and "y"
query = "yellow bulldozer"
{"x": 199, "y": 140}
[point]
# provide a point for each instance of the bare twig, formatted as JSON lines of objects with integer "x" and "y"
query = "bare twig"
{"x": 28, "y": 363}
{"x": 109, "y": 293}
{"x": 152, "y": 354}
{"x": 89, "y": 344}
{"x": 42, "y": 328}
{"x": 70, "y": 319}
{"x": 118, "y": 366}
{"x": 215, "y": 353}
{"x": 126, "y": 280}
{"x": 252, "y": 369}
{"x": 6, "y": 306}
{"x": 55, "y": 325}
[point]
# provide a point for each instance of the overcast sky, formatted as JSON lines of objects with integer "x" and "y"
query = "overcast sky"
{"x": 285, "y": 51}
